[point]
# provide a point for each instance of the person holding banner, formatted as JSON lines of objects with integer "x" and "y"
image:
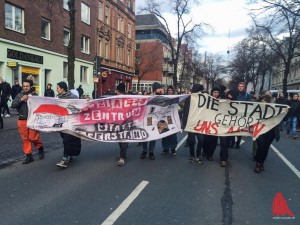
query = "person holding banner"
{"x": 191, "y": 140}
{"x": 264, "y": 142}
{"x": 28, "y": 135}
{"x": 72, "y": 144}
{"x": 242, "y": 96}
{"x": 156, "y": 90}
{"x": 169, "y": 142}
{"x": 121, "y": 90}
{"x": 211, "y": 141}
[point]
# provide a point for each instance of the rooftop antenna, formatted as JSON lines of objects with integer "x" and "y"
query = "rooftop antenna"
{"x": 228, "y": 50}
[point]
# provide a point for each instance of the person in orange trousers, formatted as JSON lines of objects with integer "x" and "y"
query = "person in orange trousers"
{"x": 28, "y": 135}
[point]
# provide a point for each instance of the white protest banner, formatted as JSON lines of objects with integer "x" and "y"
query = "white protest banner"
{"x": 208, "y": 115}
{"x": 122, "y": 118}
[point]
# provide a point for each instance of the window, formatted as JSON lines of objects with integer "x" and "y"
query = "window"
{"x": 137, "y": 46}
{"x": 106, "y": 50}
{"x": 83, "y": 74}
{"x": 119, "y": 54}
{"x": 65, "y": 65}
{"x": 106, "y": 15}
{"x": 14, "y": 18}
{"x": 45, "y": 29}
{"x": 66, "y": 36}
{"x": 120, "y": 23}
{"x": 129, "y": 31}
{"x": 85, "y": 13}
{"x": 100, "y": 48}
{"x": 66, "y": 6}
{"x": 85, "y": 44}
{"x": 128, "y": 57}
{"x": 100, "y": 13}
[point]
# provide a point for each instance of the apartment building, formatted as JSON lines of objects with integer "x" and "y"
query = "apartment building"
{"x": 152, "y": 45}
{"x": 115, "y": 44}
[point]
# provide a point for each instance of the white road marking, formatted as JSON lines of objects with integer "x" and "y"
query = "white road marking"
{"x": 125, "y": 204}
{"x": 181, "y": 142}
{"x": 287, "y": 162}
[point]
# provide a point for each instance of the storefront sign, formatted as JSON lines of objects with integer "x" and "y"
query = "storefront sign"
{"x": 31, "y": 70}
{"x": 24, "y": 56}
{"x": 12, "y": 64}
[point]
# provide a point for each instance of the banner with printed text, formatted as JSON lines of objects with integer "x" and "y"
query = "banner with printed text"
{"x": 123, "y": 118}
{"x": 211, "y": 116}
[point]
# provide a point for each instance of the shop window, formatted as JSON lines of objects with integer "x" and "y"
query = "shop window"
{"x": 14, "y": 18}
{"x": 45, "y": 29}
{"x": 83, "y": 74}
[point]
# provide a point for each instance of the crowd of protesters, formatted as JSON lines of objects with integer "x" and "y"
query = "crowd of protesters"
{"x": 205, "y": 144}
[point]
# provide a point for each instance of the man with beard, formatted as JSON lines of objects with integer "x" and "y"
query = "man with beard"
{"x": 156, "y": 90}
{"x": 28, "y": 135}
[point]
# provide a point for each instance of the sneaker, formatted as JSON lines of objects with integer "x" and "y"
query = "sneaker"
{"x": 294, "y": 136}
{"x": 223, "y": 164}
{"x": 151, "y": 156}
{"x": 7, "y": 115}
{"x": 41, "y": 152}
{"x": 174, "y": 152}
{"x": 121, "y": 162}
{"x": 164, "y": 152}
{"x": 198, "y": 160}
{"x": 2, "y": 115}
{"x": 28, "y": 159}
{"x": 288, "y": 136}
{"x": 69, "y": 159}
{"x": 143, "y": 155}
{"x": 191, "y": 160}
{"x": 63, "y": 163}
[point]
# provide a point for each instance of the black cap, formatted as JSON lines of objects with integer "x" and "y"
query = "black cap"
{"x": 197, "y": 88}
{"x": 156, "y": 86}
{"x": 63, "y": 85}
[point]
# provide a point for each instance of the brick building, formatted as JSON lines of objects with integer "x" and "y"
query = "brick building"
{"x": 34, "y": 36}
{"x": 152, "y": 50}
{"x": 115, "y": 44}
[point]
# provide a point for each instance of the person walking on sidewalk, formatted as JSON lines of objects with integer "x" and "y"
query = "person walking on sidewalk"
{"x": 5, "y": 91}
{"x": 121, "y": 90}
{"x": 28, "y": 135}
{"x": 72, "y": 144}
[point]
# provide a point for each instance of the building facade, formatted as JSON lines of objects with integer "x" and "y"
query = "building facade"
{"x": 115, "y": 44}
{"x": 34, "y": 36}
{"x": 153, "y": 54}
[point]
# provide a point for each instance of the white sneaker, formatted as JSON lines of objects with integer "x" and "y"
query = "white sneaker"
{"x": 121, "y": 162}
{"x": 7, "y": 115}
{"x": 1, "y": 115}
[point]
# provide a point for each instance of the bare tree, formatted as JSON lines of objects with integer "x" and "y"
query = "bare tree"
{"x": 273, "y": 22}
{"x": 184, "y": 26}
{"x": 214, "y": 68}
{"x": 147, "y": 60}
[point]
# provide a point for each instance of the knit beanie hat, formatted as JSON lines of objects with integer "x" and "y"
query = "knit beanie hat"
{"x": 63, "y": 85}
{"x": 197, "y": 88}
{"x": 156, "y": 86}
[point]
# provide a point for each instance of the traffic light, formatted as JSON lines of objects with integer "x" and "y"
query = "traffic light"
{"x": 97, "y": 66}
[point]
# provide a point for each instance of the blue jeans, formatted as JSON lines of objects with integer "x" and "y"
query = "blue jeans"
{"x": 291, "y": 125}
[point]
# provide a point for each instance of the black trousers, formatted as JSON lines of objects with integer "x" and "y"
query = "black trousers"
{"x": 72, "y": 144}
{"x": 192, "y": 141}
{"x": 210, "y": 144}
{"x": 224, "y": 148}
{"x": 264, "y": 142}
{"x": 4, "y": 101}
{"x": 123, "y": 149}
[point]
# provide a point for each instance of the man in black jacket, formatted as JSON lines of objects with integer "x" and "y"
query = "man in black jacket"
{"x": 16, "y": 89}
{"x": 5, "y": 91}
{"x": 28, "y": 135}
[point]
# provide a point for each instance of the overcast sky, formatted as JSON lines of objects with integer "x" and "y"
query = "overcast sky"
{"x": 223, "y": 15}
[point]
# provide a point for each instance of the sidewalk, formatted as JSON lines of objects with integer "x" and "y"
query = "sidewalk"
{"x": 10, "y": 123}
